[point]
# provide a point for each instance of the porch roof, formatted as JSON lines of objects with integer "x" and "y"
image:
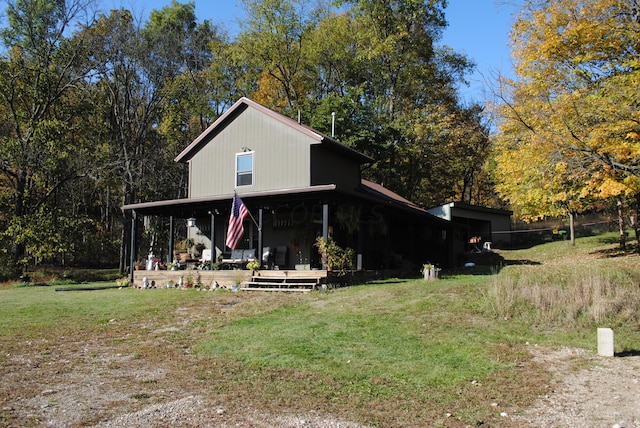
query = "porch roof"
{"x": 377, "y": 193}
{"x": 186, "y": 207}
{"x": 368, "y": 191}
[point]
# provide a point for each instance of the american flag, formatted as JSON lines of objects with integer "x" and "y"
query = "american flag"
{"x": 236, "y": 230}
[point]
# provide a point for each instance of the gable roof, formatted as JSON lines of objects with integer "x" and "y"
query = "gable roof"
{"x": 241, "y": 105}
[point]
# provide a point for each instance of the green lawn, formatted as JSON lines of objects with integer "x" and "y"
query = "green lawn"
{"x": 395, "y": 352}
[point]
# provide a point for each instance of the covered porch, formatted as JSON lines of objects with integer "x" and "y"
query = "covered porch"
{"x": 276, "y": 221}
{"x": 387, "y": 233}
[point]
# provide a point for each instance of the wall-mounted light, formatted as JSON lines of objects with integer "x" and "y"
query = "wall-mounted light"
{"x": 191, "y": 222}
{"x": 246, "y": 149}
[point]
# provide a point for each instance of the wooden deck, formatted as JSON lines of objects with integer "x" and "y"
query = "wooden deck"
{"x": 203, "y": 278}
{"x": 263, "y": 280}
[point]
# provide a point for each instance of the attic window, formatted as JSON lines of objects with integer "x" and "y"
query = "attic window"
{"x": 244, "y": 169}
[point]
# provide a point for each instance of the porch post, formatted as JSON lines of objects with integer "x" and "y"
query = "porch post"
{"x": 170, "y": 254}
{"x": 360, "y": 249}
{"x": 259, "y": 252}
{"x": 325, "y": 227}
{"x": 325, "y": 221}
{"x": 213, "y": 237}
{"x": 132, "y": 250}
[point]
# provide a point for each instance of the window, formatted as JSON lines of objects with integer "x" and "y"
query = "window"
{"x": 244, "y": 169}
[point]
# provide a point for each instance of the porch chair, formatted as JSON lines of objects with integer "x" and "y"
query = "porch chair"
{"x": 281, "y": 256}
{"x": 206, "y": 255}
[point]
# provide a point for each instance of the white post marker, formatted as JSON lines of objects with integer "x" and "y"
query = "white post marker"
{"x": 605, "y": 342}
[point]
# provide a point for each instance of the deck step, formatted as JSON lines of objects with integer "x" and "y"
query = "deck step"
{"x": 251, "y": 287}
{"x": 282, "y": 284}
{"x": 284, "y": 281}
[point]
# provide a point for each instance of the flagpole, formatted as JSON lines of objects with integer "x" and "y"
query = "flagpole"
{"x": 251, "y": 215}
{"x": 254, "y": 220}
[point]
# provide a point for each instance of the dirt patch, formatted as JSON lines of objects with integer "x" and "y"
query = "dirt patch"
{"x": 589, "y": 391}
{"x": 88, "y": 384}
{"x": 127, "y": 374}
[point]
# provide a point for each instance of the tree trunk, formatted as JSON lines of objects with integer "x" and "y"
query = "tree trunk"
{"x": 623, "y": 234}
{"x": 634, "y": 222}
{"x": 572, "y": 229}
{"x": 17, "y": 249}
{"x": 125, "y": 250}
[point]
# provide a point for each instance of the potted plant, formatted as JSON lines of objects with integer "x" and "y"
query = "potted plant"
{"x": 333, "y": 256}
{"x": 429, "y": 271}
{"x": 254, "y": 265}
{"x": 188, "y": 282}
{"x": 188, "y": 243}
{"x": 185, "y": 249}
{"x": 237, "y": 280}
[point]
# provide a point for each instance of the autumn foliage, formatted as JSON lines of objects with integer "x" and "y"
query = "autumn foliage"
{"x": 570, "y": 120}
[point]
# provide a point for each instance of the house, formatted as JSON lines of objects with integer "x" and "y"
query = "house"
{"x": 297, "y": 184}
{"x": 478, "y": 227}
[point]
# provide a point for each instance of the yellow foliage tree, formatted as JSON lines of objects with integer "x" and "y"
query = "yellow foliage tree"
{"x": 569, "y": 124}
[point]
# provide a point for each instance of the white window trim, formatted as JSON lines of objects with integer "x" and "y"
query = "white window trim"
{"x": 253, "y": 169}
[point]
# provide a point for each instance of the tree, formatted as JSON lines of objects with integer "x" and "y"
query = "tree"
{"x": 274, "y": 45}
{"x": 128, "y": 95}
{"x": 407, "y": 86}
{"x": 153, "y": 92}
{"x": 575, "y": 98}
{"x": 538, "y": 180}
{"x": 375, "y": 65}
{"x": 42, "y": 76}
{"x": 202, "y": 86}
{"x": 447, "y": 148}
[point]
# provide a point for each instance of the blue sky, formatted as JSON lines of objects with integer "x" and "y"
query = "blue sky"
{"x": 477, "y": 28}
{"x": 480, "y": 29}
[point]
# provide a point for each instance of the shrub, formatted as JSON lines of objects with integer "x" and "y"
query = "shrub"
{"x": 122, "y": 282}
{"x": 334, "y": 256}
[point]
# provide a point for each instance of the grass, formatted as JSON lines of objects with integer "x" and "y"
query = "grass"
{"x": 371, "y": 348}
{"x": 563, "y": 288}
{"x": 388, "y": 353}
{"x": 32, "y": 311}
{"x": 353, "y": 340}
